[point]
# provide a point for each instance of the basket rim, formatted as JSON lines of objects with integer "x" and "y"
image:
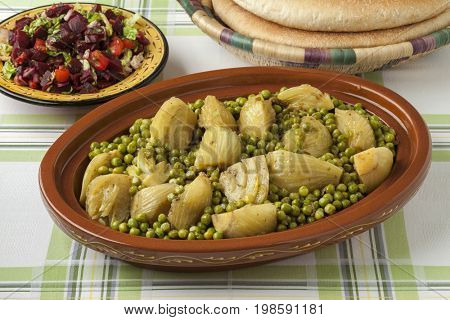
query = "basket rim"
{"x": 204, "y": 18}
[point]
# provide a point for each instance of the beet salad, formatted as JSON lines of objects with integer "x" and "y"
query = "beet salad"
{"x": 67, "y": 49}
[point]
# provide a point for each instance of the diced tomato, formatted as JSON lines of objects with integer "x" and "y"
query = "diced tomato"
{"x": 129, "y": 44}
{"x": 62, "y": 74}
{"x": 99, "y": 60}
{"x": 39, "y": 45}
{"x": 32, "y": 84}
{"x": 116, "y": 46}
{"x": 21, "y": 58}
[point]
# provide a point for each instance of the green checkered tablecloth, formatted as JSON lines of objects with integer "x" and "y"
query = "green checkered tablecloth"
{"x": 407, "y": 257}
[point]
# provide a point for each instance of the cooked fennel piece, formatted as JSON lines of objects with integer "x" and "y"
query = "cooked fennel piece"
{"x": 251, "y": 220}
{"x": 357, "y": 128}
{"x": 292, "y": 170}
{"x": 305, "y": 97}
{"x": 174, "y": 124}
{"x": 219, "y": 147}
{"x": 188, "y": 209}
{"x": 314, "y": 138}
{"x": 256, "y": 117}
{"x": 373, "y": 166}
{"x": 151, "y": 174}
{"x": 214, "y": 114}
{"x": 108, "y": 196}
{"x": 103, "y": 159}
{"x": 247, "y": 180}
{"x": 152, "y": 201}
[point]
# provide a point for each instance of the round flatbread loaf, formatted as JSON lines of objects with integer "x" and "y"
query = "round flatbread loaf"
{"x": 253, "y": 26}
{"x": 344, "y": 15}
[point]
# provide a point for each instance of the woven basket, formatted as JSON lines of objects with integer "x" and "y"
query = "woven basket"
{"x": 351, "y": 60}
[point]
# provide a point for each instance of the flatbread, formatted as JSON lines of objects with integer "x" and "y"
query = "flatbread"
{"x": 344, "y": 15}
{"x": 252, "y": 26}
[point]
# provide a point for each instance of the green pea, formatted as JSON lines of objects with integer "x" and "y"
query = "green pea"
{"x": 285, "y": 207}
{"x": 295, "y": 211}
{"x": 301, "y": 219}
{"x": 173, "y": 234}
{"x": 217, "y": 235}
{"x": 353, "y": 198}
{"x": 281, "y": 215}
{"x": 389, "y": 137}
{"x": 307, "y": 210}
{"x": 171, "y": 196}
{"x": 209, "y": 234}
{"x": 310, "y": 219}
{"x": 241, "y": 101}
{"x": 319, "y": 214}
{"x": 353, "y": 188}
{"x": 131, "y": 148}
{"x": 183, "y": 233}
{"x": 349, "y": 152}
{"x": 205, "y": 219}
{"x": 191, "y": 236}
{"x": 103, "y": 170}
{"x": 123, "y": 227}
{"x": 162, "y": 218}
{"x": 165, "y": 226}
{"x": 218, "y": 209}
{"x": 118, "y": 170}
{"x": 135, "y": 231}
{"x": 115, "y": 225}
{"x": 159, "y": 232}
{"x": 144, "y": 227}
{"x": 141, "y": 217}
{"x": 330, "y": 209}
{"x": 303, "y": 191}
{"x": 132, "y": 223}
{"x": 150, "y": 233}
{"x": 323, "y": 201}
{"x": 266, "y": 94}
{"x": 179, "y": 189}
{"x": 281, "y": 227}
{"x": 128, "y": 158}
{"x": 133, "y": 190}
{"x": 329, "y": 189}
{"x": 346, "y": 203}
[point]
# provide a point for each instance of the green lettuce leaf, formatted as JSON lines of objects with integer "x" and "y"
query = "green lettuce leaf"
{"x": 8, "y": 69}
{"x": 129, "y": 30}
{"x": 67, "y": 56}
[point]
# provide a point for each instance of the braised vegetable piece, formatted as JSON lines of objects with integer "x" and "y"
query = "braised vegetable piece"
{"x": 219, "y": 147}
{"x": 291, "y": 171}
{"x": 373, "y": 166}
{"x": 247, "y": 180}
{"x": 251, "y": 220}
{"x": 174, "y": 124}
{"x": 152, "y": 201}
{"x": 186, "y": 210}
{"x": 92, "y": 170}
{"x": 312, "y": 138}
{"x": 147, "y": 171}
{"x": 357, "y": 128}
{"x": 214, "y": 114}
{"x": 108, "y": 196}
{"x": 305, "y": 97}
{"x": 256, "y": 117}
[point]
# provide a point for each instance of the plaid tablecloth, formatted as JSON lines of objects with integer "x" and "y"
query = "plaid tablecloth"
{"x": 407, "y": 257}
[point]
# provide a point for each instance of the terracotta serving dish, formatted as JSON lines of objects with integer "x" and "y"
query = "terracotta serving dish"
{"x": 63, "y": 166}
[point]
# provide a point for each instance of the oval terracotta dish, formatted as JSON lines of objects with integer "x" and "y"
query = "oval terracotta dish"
{"x": 154, "y": 62}
{"x": 63, "y": 166}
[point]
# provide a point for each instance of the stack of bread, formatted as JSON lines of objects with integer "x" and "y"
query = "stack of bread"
{"x": 334, "y": 23}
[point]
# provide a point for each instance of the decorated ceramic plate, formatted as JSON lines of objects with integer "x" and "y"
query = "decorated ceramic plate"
{"x": 153, "y": 59}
